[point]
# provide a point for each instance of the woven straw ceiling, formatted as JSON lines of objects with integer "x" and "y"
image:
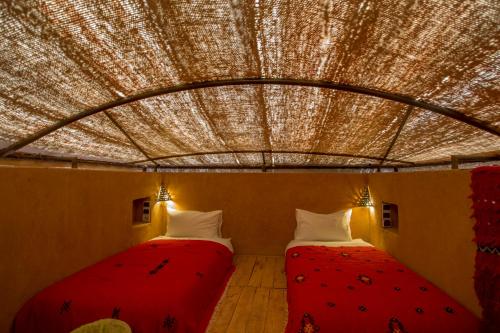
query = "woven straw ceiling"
{"x": 62, "y": 63}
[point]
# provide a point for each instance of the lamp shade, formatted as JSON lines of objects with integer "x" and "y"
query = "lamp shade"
{"x": 163, "y": 194}
{"x": 365, "y": 199}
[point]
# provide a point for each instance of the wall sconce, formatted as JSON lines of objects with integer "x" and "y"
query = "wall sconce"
{"x": 365, "y": 199}
{"x": 163, "y": 195}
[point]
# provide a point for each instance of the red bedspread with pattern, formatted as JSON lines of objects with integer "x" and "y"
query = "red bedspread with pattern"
{"x": 362, "y": 289}
{"x": 159, "y": 286}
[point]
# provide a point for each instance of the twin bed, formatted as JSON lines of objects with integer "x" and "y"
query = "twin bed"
{"x": 350, "y": 286}
{"x": 163, "y": 285}
{"x": 173, "y": 283}
{"x": 169, "y": 284}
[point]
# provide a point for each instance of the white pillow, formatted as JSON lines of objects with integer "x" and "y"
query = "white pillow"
{"x": 323, "y": 227}
{"x": 191, "y": 223}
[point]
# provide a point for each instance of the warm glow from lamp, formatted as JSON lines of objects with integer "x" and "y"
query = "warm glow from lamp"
{"x": 365, "y": 199}
{"x": 163, "y": 195}
{"x": 170, "y": 205}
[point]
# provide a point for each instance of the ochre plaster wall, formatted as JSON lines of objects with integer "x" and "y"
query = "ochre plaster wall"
{"x": 54, "y": 222}
{"x": 57, "y": 221}
{"x": 259, "y": 208}
{"x": 435, "y": 233}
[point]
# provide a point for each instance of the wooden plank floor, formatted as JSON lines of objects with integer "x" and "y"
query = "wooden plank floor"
{"x": 255, "y": 300}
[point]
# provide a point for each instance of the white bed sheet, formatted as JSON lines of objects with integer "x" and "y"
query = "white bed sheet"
{"x": 224, "y": 241}
{"x": 354, "y": 242}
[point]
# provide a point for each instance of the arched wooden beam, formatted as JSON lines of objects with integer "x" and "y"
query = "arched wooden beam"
{"x": 405, "y": 99}
{"x": 408, "y": 111}
{"x": 296, "y": 152}
{"x": 458, "y": 159}
{"x": 132, "y": 141}
{"x": 268, "y": 167}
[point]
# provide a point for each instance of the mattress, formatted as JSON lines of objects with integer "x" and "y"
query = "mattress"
{"x": 358, "y": 288}
{"x": 162, "y": 285}
{"x": 222, "y": 241}
{"x": 354, "y": 242}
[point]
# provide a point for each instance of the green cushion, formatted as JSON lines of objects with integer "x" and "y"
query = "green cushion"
{"x": 104, "y": 326}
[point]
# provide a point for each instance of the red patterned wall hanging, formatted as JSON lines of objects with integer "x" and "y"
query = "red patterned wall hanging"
{"x": 486, "y": 205}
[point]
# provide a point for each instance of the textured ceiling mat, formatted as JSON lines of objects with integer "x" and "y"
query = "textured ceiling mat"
{"x": 138, "y": 45}
{"x": 154, "y": 126}
{"x": 211, "y": 119}
{"x": 4, "y": 144}
{"x": 291, "y": 37}
{"x": 309, "y": 39}
{"x": 146, "y": 164}
{"x": 195, "y": 160}
{"x": 63, "y": 57}
{"x": 207, "y": 39}
{"x": 90, "y": 50}
{"x": 477, "y": 92}
{"x": 428, "y": 137}
{"x": 295, "y": 115}
{"x": 339, "y": 160}
{"x": 218, "y": 159}
{"x": 18, "y": 120}
{"x": 92, "y": 138}
{"x": 443, "y": 45}
{"x": 41, "y": 69}
{"x": 122, "y": 41}
{"x": 276, "y": 159}
{"x": 170, "y": 124}
{"x": 389, "y": 45}
{"x": 297, "y": 159}
{"x": 124, "y": 46}
{"x": 65, "y": 54}
{"x": 392, "y": 45}
{"x": 316, "y": 119}
{"x": 249, "y": 158}
{"x": 359, "y": 125}
{"x": 237, "y": 114}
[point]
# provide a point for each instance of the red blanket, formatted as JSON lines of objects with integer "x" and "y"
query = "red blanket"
{"x": 362, "y": 289}
{"x": 158, "y": 286}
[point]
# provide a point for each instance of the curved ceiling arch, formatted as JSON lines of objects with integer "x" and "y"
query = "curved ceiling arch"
{"x": 295, "y": 152}
{"x": 396, "y": 97}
